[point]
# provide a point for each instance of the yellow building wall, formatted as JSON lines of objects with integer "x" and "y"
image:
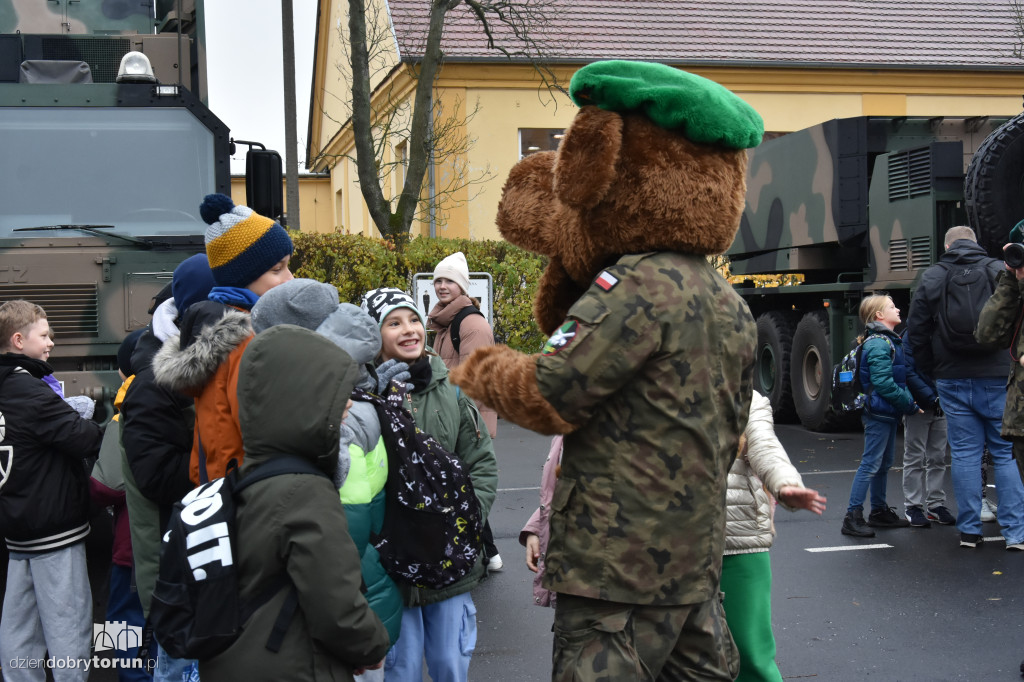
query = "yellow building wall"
{"x": 506, "y": 98}
{"x": 315, "y": 210}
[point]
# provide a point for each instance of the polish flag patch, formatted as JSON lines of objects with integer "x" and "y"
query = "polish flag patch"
{"x": 606, "y": 280}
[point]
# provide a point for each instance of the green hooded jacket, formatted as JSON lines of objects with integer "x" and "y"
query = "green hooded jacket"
{"x": 294, "y": 523}
{"x": 451, "y": 417}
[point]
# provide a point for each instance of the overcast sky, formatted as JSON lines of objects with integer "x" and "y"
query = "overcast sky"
{"x": 245, "y": 74}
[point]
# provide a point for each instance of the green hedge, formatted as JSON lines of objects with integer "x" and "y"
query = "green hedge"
{"x": 356, "y": 264}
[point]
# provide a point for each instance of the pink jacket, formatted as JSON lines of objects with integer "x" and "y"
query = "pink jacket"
{"x": 474, "y": 332}
{"x": 538, "y": 524}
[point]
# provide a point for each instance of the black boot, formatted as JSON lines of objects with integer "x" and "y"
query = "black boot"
{"x": 854, "y": 524}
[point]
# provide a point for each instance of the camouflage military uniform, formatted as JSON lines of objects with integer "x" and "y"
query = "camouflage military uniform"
{"x": 655, "y": 362}
{"x": 999, "y": 326}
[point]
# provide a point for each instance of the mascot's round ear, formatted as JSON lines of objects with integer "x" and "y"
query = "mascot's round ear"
{"x": 585, "y": 165}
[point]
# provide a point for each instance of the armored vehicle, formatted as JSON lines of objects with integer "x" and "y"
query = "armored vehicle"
{"x": 857, "y": 206}
{"x": 102, "y": 176}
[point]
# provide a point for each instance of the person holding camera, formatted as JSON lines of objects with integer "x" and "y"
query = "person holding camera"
{"x": 1000, "y": 326}
{"x": 970, "y": 377}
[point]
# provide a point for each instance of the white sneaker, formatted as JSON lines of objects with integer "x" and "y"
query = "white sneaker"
{"x": 495, "y": 563}
{"x": 988, "y": 510}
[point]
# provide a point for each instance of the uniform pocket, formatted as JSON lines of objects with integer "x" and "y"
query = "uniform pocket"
{"x": 602, "y": 652}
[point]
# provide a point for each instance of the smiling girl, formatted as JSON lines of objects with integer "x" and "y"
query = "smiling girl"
{"x": 439, "y": 625}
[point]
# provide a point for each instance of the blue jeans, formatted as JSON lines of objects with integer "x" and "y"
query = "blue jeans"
{"x": 879, "y": 450}
{"x": 124, "y": 605}
{"x": 170, "y": 669}
{"x": 444, "y": 633}
{"x": 974, "y": 415}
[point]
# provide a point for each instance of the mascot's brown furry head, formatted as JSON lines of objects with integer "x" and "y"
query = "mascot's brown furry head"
{"x": 654, "y": 161}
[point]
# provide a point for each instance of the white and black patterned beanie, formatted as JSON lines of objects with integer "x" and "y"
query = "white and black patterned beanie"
{"x": 380, "y": 302}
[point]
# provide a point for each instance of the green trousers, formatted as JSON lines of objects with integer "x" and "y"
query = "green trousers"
{"x": 747, "y": 585}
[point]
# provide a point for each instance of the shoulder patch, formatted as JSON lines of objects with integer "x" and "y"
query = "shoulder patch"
{"x": 561, "y": 338}
{"x": 606, "y": 280}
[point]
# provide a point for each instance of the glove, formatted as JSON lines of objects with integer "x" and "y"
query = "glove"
{"x": 389, "y": 371}
{"x": 82, "y": 404}
{"x": 938, "y": 409}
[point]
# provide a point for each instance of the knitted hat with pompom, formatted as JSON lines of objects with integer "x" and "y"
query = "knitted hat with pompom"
{"x": 240, "y": 243}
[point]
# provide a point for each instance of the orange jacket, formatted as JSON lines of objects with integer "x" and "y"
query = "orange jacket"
{"x": 207, "y": 369}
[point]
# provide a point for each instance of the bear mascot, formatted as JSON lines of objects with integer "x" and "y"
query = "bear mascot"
{"x": 648, "y": 368}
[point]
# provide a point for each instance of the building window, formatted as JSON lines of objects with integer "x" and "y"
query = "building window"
{"x": 532, "y": 140}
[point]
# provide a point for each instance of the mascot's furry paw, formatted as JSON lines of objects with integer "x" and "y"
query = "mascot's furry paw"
{"x": 506, "y": 380}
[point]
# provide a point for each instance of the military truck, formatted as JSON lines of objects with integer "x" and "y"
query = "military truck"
{"x": 102, "y": 180}
{"x": 856, "y": 206}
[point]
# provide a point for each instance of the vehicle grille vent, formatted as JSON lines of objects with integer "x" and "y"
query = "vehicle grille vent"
{"x": 920, "y": 253}
{"x": 910, "y": 173}
{"x": 102, "y": 56}
{"x": 898, "y": 256}
{"x": 71, "y": 309}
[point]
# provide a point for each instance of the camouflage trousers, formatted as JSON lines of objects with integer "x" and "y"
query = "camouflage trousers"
{"x": 1018, "y": 454}
{"x": 602, "y": 641}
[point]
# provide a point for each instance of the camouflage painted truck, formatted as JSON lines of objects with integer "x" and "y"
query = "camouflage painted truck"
{"x": 101, "y": 180}
{"x": 858, "y": 206}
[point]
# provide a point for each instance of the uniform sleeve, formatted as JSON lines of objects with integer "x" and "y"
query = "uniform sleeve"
{"x": 608, "y": 336}
{"x": 476, "y": 449}
{"x": 323, "y": 564}
{"x": 998, "y": 319}
{"x": 878, "y": 355}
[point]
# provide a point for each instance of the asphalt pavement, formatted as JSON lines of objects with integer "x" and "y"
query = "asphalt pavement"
{"x": 906, "y": 605}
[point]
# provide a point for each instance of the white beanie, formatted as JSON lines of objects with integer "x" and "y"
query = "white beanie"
{"x": 454, "y": 268}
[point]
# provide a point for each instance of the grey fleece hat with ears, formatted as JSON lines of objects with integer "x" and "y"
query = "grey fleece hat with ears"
{"x": 305, "y": 303}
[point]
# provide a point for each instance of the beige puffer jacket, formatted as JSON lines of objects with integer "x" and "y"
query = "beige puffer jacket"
{"x": 749, "y": 525}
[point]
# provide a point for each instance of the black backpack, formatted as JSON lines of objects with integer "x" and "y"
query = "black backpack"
{"x": 965, "y": 292}
{"x": 196, "y": 611}
{"x": 431, "y": 535}
{"x": 453, "y": 328}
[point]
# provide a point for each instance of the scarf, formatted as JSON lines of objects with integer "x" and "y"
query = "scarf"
{"x": 239, "y": 297}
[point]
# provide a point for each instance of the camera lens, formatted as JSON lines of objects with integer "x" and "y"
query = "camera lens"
{"x": 1013, "y": 255}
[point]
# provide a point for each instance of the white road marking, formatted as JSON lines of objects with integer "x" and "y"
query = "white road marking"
{"x": 839, "y": 471}
{"x": 846, "y": 548}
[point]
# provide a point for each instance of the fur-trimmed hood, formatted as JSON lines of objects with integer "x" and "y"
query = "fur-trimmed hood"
{"x": 190, "y": 368}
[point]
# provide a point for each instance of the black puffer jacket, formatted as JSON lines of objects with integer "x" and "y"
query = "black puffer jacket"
{"x": 44, "y": 486}
{"x": 930, "y": 355}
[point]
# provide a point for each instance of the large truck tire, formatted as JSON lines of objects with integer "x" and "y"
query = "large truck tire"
{"x": 771, "y": 364}
{"x": 810, "y": 371}
{"x": 994, "y": 186}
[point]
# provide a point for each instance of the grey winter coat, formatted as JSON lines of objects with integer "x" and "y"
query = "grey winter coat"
{"x": 294, "y": 524}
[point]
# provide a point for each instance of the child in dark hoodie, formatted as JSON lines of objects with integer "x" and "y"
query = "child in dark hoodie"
{"x": 293, "y": 524}
{"x": 362, "y": 457}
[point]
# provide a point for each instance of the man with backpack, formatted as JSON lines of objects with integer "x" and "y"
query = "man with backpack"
{"x": 970, "y": 378}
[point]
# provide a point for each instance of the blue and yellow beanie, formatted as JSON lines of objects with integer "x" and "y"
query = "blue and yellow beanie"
{"x": 240, "y": 243}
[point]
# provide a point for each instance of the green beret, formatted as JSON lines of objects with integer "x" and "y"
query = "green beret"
{"x": 699, "y": 108}
{"x": 1017, "y": 233}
